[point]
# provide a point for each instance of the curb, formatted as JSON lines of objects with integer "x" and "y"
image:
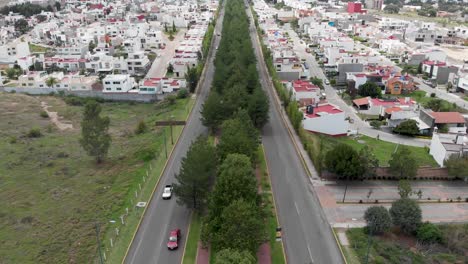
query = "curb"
{"x": 301, "y": 157}
{"x": 156, "y": 186}
{"x": 274, "y": 202}
{"x": 186, "y": 240}
{"x": 339, "y": 244}
{"x": 197, "y": 91}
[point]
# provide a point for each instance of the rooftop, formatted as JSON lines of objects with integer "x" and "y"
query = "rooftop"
{"x": 325, "y": 109}
{"x": 447, "y": 117}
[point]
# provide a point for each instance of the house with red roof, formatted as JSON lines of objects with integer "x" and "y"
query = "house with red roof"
{"x": 400, "y": 84}
{"x": 451, "y": 122}
{"x": 325, "y": 119}
{"x": 377, "y": 106}
{"x": 160, "y": 85}
{"x": 305, "y": 90}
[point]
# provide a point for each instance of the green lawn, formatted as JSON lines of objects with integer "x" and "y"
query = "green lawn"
{"x": 381, "y": 149}
{"x": 36, "y": 48}
{"x": 190, "y": 255}
{"x": 395, "y": 248}
{"x": 277, "y": 255}
{"x": 53, "y": 193}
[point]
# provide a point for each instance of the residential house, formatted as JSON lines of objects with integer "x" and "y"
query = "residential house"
{"x": 138, "y": 63}
{"x": 160, "y": 85}
{"x": 325, "y": 119}
{"x": 118, "y": 83}
{"x": 38, "y": 79}
{"x": 453, "y": 122}
{"x": 376, "y": 106}
{"x": 403, "y": 84}
{"x": 444, "y": 146}
{"x": 302, "y": 90}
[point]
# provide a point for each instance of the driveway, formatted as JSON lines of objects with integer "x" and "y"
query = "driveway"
{"x": 359, "y": 125}
{"x": 159, "y": 66}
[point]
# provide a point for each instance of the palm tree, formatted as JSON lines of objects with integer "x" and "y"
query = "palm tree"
{"x": 51, "y": 81}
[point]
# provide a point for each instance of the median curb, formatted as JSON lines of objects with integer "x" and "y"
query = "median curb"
{"x": 274, "y": 202}
{"x": 338, "y": 243}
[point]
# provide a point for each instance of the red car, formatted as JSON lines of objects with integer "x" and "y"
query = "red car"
{"x": 174, "y": 237}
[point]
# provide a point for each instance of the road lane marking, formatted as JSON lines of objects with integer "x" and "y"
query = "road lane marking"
{"x": 310, "y": 254}
{"x": 297, "y": 208}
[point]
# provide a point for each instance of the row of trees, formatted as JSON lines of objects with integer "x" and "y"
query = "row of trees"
{"x": 28, "y": 9}
{"x": 219, "y": 181}
{"x": 235, "y": 83}
{"x": 349, "y": 164}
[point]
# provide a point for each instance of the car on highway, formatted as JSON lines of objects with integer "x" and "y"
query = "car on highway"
{"x": 167, "y": 192}
{"x": 174, "y": 237}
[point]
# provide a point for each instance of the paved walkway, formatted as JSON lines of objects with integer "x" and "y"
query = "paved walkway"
{"x": 263, "y": 254}
{"x": 203, "y": 255}
{"x": 351, "y": 215}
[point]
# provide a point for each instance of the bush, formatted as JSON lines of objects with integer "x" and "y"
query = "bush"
{"x": 406, "y": 214}
{"x": 429, "y": 233}
{"x": 146, "y": 154}
{"x": 44, "y": 114}
{"x": 378, "y": 219}
{"x": 34, "y": 133}
{"x": 141, "y": 127}
{"x": 171, "y": 99}
{"x": 182, "y": 93}
{"x": 433, "y": 95}
{"x": 376, "y": 124}
{"x": 13, "y": 140}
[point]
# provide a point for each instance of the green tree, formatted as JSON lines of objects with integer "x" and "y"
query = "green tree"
{"x": 457, "y": 166}
{"x": 370, "y": 89}
{"x": 22, "y": 26}
{"x": 317, "y": 81}
{"x": 91, "y": 46}
{"x": 95, "y": 138}
{"x": 258, "y": 107}
{"x": 174, "y": 29}
{"x": 408, "y": 127}
{"x": 406, "y": 214}
{"x": 197, "y": 172}
{"x": 41, "y": 18}
{"x": 369, "y": 161}
{"x": 376, "y": 124}
{"x": 170, "y": 68}
{"x": 51, "y": 81}
{"x": 212, "y": 111}
{"x": 165, "y": 27}
{"x": 378, "y": 220}
{"x": 243, "y": 227}
{"x": 229, "y": 256}
{"x": 295, "y": 115}
{"x": 404, "y": 189}
{"x": 235, "y": 180}
{"x": 238, "y": 136}
{"x": 403, "y": 164}
{"x": 191, "y": 76}
{"x": 436, "y": 105}
{"x": 11, "y": 73}
{"x": 345, "y": 162}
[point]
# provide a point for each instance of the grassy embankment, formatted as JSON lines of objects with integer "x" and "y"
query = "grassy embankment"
{"x": 394, "y": 247}
{"x": 53, "y": 193}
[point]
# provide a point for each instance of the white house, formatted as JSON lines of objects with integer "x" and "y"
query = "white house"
{"x": 160, "y": 85}
{"x": 118, "y": 83}
{"x": 305, "y": 90}
{"x": 445, "y": 145}
{"x": 325, "y": 119}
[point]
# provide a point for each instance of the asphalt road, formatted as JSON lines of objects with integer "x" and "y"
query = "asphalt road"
{"x": 149, "y": 245}
{"x": 306, "y": 233}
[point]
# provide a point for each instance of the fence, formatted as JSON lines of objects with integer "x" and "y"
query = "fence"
{"x": 384, "y": 173}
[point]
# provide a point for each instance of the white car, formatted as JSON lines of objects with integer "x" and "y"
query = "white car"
{"x": 327, "y": 82}
{"x": 167, "y": 192}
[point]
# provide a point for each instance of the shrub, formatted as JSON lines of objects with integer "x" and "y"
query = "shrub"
{"x": 376, "y": 124}
{"x": 429, "y": 233}
{"x": 13, "y": 140}
{"x": 182, "y": 93}
{"x": 34, "y": 133}
{"x": 433, "y": 95}
{"x": 171, "y": 99}
{"x": 44, "y": 114}
{"x": 406, "y": 214}
{"x": 141, "y": 127}
{"x": 378, "y": 219}
{"x": 146, "y": 154}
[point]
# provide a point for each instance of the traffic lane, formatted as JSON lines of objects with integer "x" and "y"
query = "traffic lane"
{"x": 293, "y": 194}
{"x": 150, "y": 241}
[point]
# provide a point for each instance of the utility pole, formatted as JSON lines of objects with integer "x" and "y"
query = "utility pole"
{"x": 99, "y": 243}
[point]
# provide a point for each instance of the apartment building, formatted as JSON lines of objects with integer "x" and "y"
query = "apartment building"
{"x": 118, "y": 83}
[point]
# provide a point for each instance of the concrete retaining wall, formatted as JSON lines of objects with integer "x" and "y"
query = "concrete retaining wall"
{"x": 106, "y": 96}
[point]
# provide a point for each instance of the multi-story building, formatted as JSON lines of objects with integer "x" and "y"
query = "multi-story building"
{"x": 138, "y": 63}
{"x": 118, "y": 83}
